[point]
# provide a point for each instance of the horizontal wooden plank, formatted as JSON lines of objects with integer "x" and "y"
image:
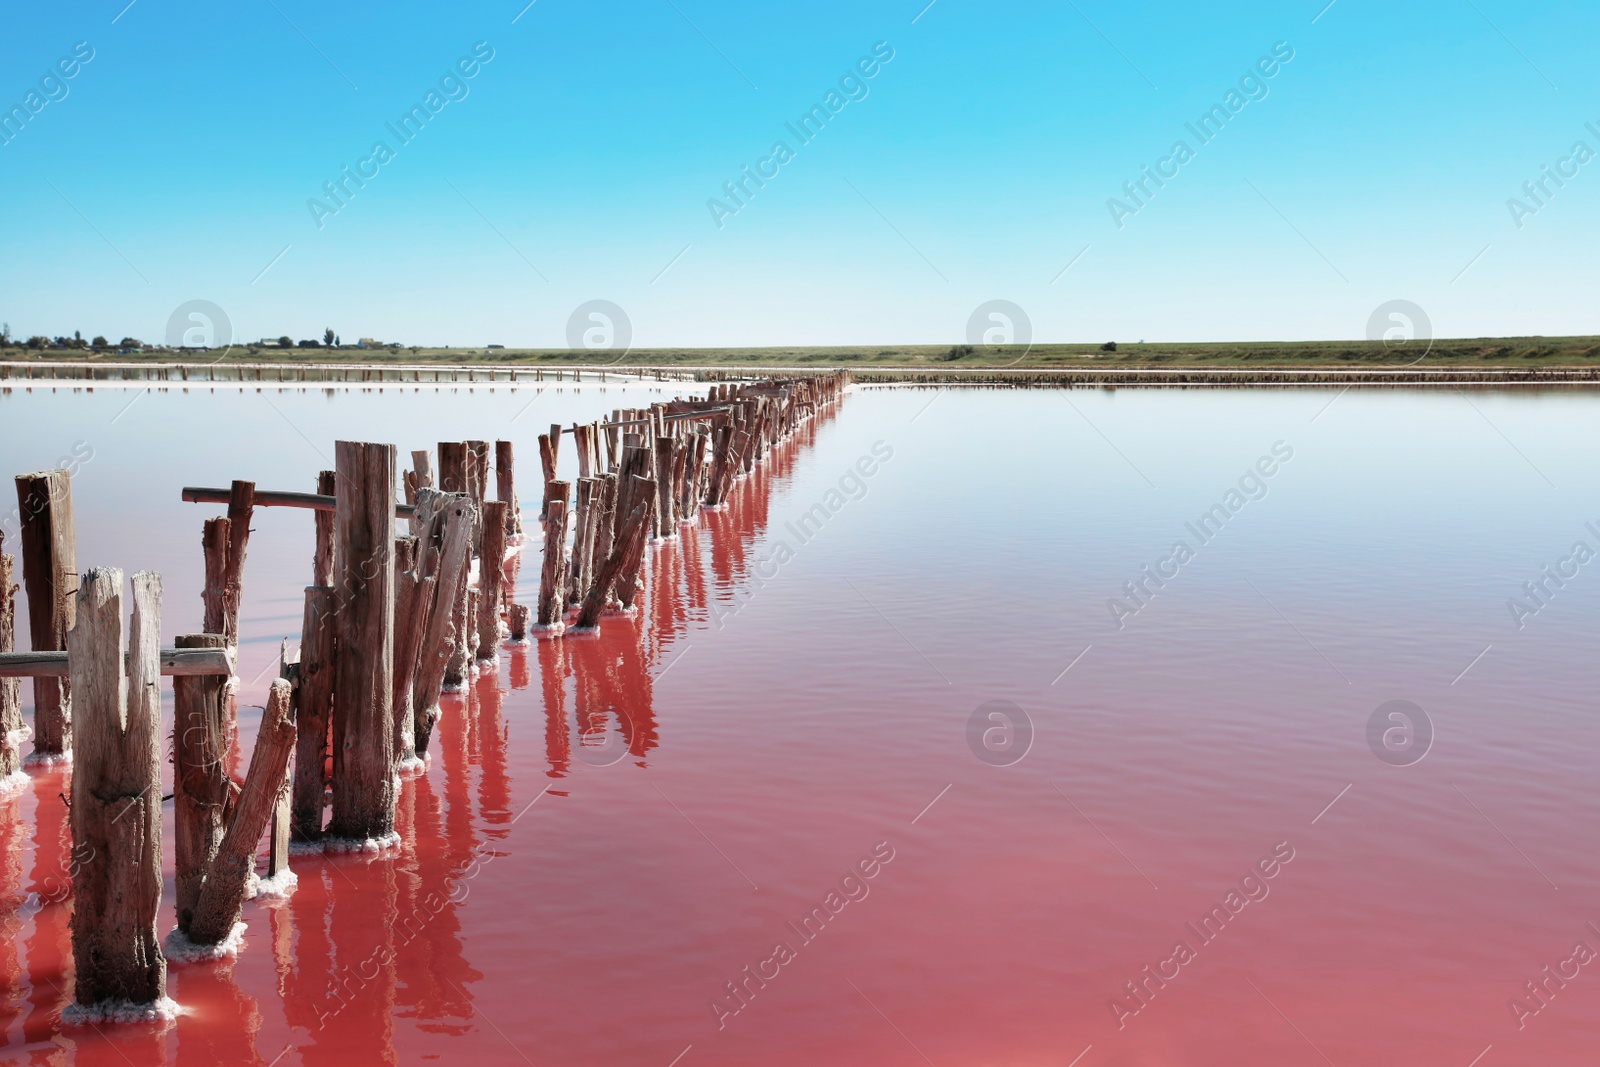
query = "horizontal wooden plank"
{"x": 196, "y": 494}
{"x": 174, "y": 662}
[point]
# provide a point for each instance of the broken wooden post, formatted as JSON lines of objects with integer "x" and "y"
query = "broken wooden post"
{"x": 491, "y": 580}
{"x": 12, "y": 730}
{"x": 50, "y": 576}
{"x": 313, "y": 713}
{"x": 241, "y": 506}
{"x": 517, "y": 618}
{"x": 223, "y": 893}
{"x": 420, "y": 476}
{"x": 505, "y": 488}
{"x": 116, "y": 797}
{"x": 199, "y": 780}
{"x": 363, "y": 711}
{"x": 552, "y": 577}
{"x": 322, "y": 557}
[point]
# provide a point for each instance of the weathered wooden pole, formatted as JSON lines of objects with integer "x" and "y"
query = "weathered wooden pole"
{"x": 12, "y": 731}
{"x": 623, "y": 549}
{"x": 491, "y": 580}
{"x": 222, "y": 895}
{"x": 363, "y": 693}
{"x": 505, "y": 489}
{"x": 549, "y": 455}
{"x": 116, "y": 795}
{"x": 411, "y": 629}
{"x": 199, "y": 781}
{"x": 581, "y": 570}
{"x": 322, "y": 558}
{"x": 454, "y": 522}
{"x": 517, "y": 621}
{"x": 453, "y": 467}
{"x": 478, "y": 471}
{"x": 50, "y": 575}
{"x": 552, "y": 577}
{"x": 214, "y": 539}
{"x": 241, "y": 506}
{"x": 314, "y": 712}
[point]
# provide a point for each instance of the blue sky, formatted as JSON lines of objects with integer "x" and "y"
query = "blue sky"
{"x": 580, "y": 162}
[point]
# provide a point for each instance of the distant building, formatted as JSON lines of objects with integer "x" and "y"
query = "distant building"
{"x": 368, "y": 342}
{"x": 494, "y": 346}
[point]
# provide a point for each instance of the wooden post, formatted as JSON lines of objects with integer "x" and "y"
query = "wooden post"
{"x": 314, "y": 712}
{"x": 199, "y": 780}
{"x": 453, "y": 466}
{"x": 241, "y": 505}
{"x": 455, "y": 522}
{"x": 643, "y": 492}
{"x": 12, "y": 733}
{"x": 518, "y": 616}
{"x": 363, "y": 694}
{"x": 552, "y": 577}
{"x": 411, "y": 628}
{"x": 214, "y": 543}
{"x": 491, "y": 580}
{"x": 322, "y": 560}
{"x": 478, "y": 471}
{"x": 623, "y": 549}
{"x": 665, "y": 527}
{"x": 116, "y": 793}
{"x": 549, "y": 455}
{"x": 581, "y": 570}
{"x": 224, "y": 889}
{"x": 420, "y": 476}
{"x": 505, "y": 488}
{"x": 50, "y": 575}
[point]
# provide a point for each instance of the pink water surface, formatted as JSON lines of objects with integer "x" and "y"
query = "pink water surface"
{"x": 612, "y": 830}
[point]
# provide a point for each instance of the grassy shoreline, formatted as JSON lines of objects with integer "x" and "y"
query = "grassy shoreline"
{"x": 1473, "y": 353}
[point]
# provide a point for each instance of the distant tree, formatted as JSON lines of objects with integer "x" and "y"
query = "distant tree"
{"x": 285, "y": 342}
{"x": 958, "y": 352}
{"x": 327, "y": 336}
{"x": 37, "y": 341}
{"x": 1109, "y": 346}
{"x": 311, "y": 343}
{"x": 5, "y": 333}
{"x": 337, "y": 341}
{"x": 77, "y": 335}
{"x": 98, "y": 342}
{"x": 130, "y": 342}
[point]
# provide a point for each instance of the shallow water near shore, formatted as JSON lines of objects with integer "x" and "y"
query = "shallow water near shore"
{"x": 769, "y": 819}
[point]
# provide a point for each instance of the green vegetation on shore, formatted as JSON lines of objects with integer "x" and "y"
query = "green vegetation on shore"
{"x": 1467, "y": 353}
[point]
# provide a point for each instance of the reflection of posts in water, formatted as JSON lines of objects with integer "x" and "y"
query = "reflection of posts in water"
{"x": 225, "y": 1022}
{"x": 50, "y": 944}
{"x": 13, "y": 837}
{"x": 694, "y": 574}
{"x": 494, "y": 788}
{"x": 521, "y": 676}
{"x": 432, "y": 970}
{"x": 363, "y": 991}
{"x": 553, "y": 684}
{"x": 307, "y": 987}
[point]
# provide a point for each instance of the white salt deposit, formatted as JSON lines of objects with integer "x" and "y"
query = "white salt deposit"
{"x": 179, "y": 949}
